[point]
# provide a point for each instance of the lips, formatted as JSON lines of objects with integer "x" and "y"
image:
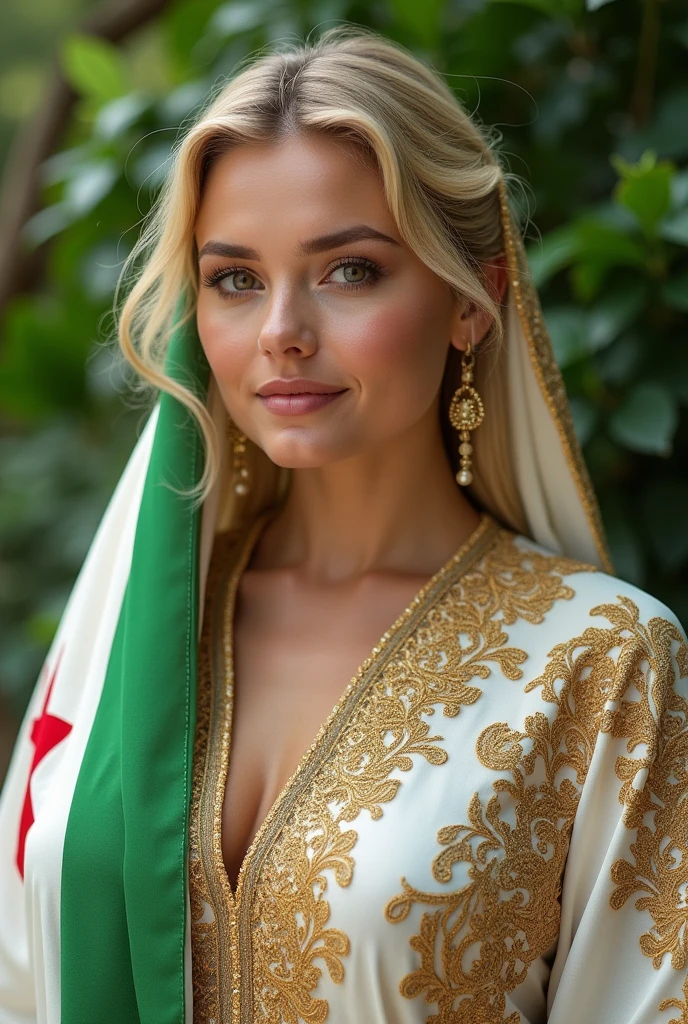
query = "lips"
{"x": 298, "y": 397}
{"x": 297, "y": 386}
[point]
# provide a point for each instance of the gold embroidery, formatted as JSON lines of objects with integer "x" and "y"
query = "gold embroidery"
{"x": 507, "y": 914}
{"x": 548, "y": 373}
{"x": 214, "y": 945}
{"x": 203, "y": 934}
{"x": 381, "y": 724}
{"x": 679, "y": 1004}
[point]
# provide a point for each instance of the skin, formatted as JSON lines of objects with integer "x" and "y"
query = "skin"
{"x": 371, "y": 478}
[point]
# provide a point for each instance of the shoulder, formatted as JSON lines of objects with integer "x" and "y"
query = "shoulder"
{"x": 594, "y": 599}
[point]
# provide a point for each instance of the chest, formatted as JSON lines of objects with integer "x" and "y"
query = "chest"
{"x": 413, "y": 826}
{"x": 295, "y": 648}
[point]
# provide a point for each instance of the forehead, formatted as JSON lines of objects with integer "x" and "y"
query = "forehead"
{"x": 300, "y": 184}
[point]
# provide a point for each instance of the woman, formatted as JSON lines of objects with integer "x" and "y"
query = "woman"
{"x": 486, "y": 823}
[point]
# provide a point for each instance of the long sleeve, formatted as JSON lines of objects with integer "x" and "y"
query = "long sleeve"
{"x": 623, "y": 941}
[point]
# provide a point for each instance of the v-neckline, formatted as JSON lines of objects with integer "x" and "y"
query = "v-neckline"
{"x": 455, "y": 566}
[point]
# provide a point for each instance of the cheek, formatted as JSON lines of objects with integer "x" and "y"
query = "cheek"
{"x": 226, "y": 351}
{"x": 401, "y": 349}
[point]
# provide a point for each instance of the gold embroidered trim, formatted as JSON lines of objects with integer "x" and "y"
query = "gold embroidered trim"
{"x": 214, "y": 938}
{"x": 548, "y": 373}
{"x": 508, "y": 913}
{"x": 379, "y": 724}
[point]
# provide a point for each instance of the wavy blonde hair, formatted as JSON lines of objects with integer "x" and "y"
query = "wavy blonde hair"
{"x": 439, "y": 168}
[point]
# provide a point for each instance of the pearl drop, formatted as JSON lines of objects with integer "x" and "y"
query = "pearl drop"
{"x": 464, "y": 477}
{"x": 241, "y": 488}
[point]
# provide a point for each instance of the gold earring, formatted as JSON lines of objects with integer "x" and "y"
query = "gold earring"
{"x": 240, "y": 473}
{"x": 466, "y": 412}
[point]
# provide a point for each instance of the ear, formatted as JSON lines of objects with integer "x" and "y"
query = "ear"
{"x": 470, "y": 323}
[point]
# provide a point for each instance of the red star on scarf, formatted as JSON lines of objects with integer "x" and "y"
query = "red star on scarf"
{"x": 46, "y": 732}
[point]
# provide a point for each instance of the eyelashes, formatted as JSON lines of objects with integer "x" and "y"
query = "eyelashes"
{"x": 214, "y": 278}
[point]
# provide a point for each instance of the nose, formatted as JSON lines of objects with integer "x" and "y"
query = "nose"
{"x": 285, "y": 330}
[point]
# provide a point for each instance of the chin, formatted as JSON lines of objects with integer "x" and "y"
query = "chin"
{"x": 301, "y": 453}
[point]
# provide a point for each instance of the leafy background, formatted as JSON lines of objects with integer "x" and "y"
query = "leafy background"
{"x": 590, "y": 101}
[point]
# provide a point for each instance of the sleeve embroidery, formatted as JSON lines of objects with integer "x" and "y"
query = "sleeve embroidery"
{"x": 479, "y": 942}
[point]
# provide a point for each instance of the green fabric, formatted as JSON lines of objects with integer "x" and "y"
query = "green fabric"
{"x": 124, "y": 873}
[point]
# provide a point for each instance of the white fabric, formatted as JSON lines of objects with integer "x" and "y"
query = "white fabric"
{"x": 556, "y": 516}
{"x": 30, "y": 909}
{"x": 510, "y": 813}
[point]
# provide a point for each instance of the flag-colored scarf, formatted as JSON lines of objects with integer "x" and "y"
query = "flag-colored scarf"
{"x": 128, "y": 639}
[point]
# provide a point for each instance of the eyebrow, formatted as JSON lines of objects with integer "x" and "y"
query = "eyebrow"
{"x": 324, "y": 243}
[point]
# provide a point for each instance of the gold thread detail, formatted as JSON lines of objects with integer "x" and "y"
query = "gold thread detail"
{"x": 679, "y": 1004}
{"x": 213, "y": 929}
{"x": 221, "y": 959}
{"x": 548, "y": 373}
{"x": 486, "y": 934}
{"x": 380, "y": 726}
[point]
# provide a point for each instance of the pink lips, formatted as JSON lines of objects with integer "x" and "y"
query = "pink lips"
{"x": 297, "y": 396}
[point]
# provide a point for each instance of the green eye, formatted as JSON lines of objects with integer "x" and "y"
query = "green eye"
{"x": 242, "y": 280}
{"x": 354, "y": 273}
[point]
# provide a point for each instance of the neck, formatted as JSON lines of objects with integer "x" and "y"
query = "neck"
{"x": 395, "y": 508}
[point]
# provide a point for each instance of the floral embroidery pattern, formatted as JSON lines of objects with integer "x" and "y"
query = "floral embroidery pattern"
{"x": 486, "y": 933}
{"x": 457, "y": 640}
{"x": 680, "y": 1004}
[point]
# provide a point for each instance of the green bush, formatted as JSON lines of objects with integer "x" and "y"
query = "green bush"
{"x": 587, "y": 114}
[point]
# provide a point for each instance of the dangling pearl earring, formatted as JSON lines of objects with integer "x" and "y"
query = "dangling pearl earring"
{"x": 240, "y": 473}
{"x": 466, "y": 412}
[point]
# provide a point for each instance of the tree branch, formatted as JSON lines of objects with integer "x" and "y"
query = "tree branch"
{"x": 38, "y": 138}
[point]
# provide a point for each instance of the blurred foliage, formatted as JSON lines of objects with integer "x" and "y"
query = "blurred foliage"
{"x": 590, "y": 100}
{"x": 27, "y": 44}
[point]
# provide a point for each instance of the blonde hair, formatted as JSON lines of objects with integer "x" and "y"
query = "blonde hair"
{"x": 439, "y": 169}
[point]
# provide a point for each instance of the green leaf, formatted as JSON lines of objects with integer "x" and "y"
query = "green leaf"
{"x": 618, "y": 365}
{"x": 594, "y": 5}
{"x": 680, "y": 33}
{"x": 612, "y": 314}
{"x": 47, "y": 223}
{"x": 675, "y": 229}
{"x": 552, "y": 7}
{"x": 423, "y": 20}
{"x": 645, "y": 189}
{"x": 119, "y": 114}
{"x": 43, "y": 357}
{"x": 576, "y": 332}
{"x": 60, "y": 166}
{"x": 594, "y": 243}
{"x": 554, "y": 252}
{"x": 585, "y": 417}
{"x": 671, "y": 370}
{"x": 674, "y": 292}
{"x": 603, "y": 243}
{"x": 679, "y": 190}
{"x": 661, "y": 133}
{"x": 588, "y": 277}
{"x": 231, "y": 19}
{"x": 626, "y": 547}
{"x": 665, "y": 506}
{"x": 94, "y": 68}
{"x": 91, "y": 183}
{"x": 647, "y": 420}
{"x": 567, "y": 327}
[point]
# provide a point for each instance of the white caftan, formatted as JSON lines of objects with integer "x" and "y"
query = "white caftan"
{"x": 490, "y": 827}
